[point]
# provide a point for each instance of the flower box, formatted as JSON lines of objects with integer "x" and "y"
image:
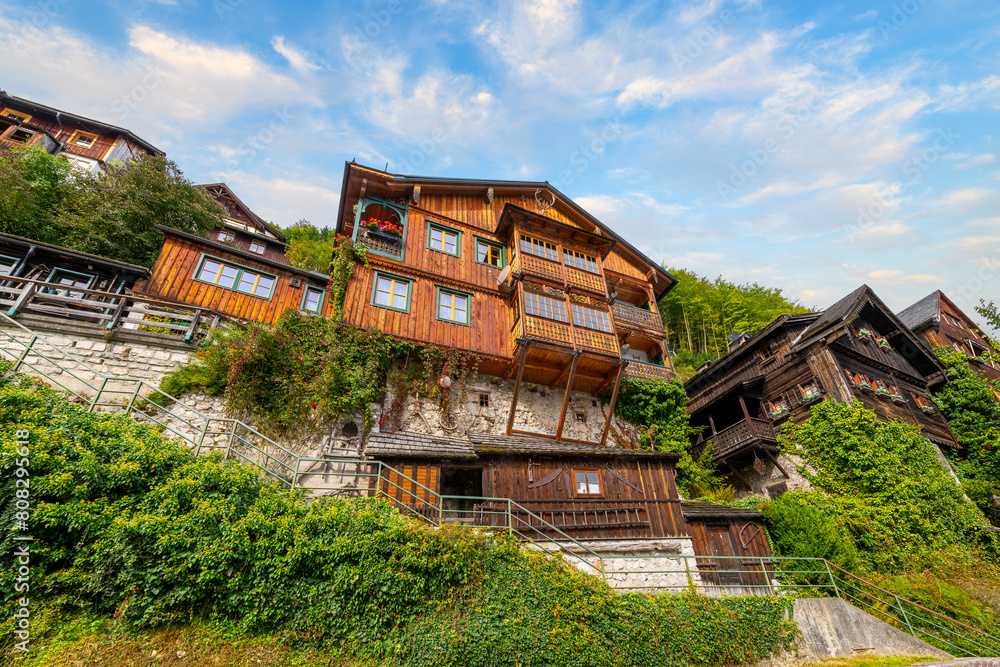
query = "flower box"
{"x": 883, "y": 344}
{"x": 811, "y": 399}
{"x": 927, "y": 408}
{"x": 864, "y": 386}
{"x": 865, "y": 334}
{"x": 883, "y": 392}
{"x": 387, "y": 230}
{"x": 896, "y": 398}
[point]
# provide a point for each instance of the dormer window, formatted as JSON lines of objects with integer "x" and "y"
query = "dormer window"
{"x": 539, "y": 248}
{"x": 82, "y": 139}
{"x": 580, "y": 261}
{"x": 257, "y": 247}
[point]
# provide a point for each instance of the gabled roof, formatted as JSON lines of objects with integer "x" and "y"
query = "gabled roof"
{"x": 407, "y": 444}
{"x": 484, "y": 443}
{"x": 223, "y": 190}
{"x": 922, "y": 312}
{"x": 836, "y": 315}
{"x": 661, "y": 287}
{"x": 11, "y": 101}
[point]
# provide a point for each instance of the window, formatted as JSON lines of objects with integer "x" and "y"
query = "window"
{"x": 810, "y": 390}
{"x": 879, "y": 385}
{"x": 539, "y": 248}
{"x": 580, "y": 261}
{"x": 590, "y": 318}
{"x": 581, "y": 418}
{"x": 391, "y": 292}
{"x": 312, "y": 300}
{"x": 218, "y": 273}
{"x": 588, "y": 482}
{"x": 453, "y": 306}
{"x": 21, "y": 136}
{"x": 69, "y": 279}
{"x": 776, "y": 408}
{"x": 543, "y": 306}
{"x": 444, "y": 240}
{"x": 489, "y": 253}
{"x": 7, "y": 265}
{"x": 16, "y": 115}
{"x": 996, "y": 395}
{"x": 235, "y": 277}
{"x": 82, "y": 139}
{"x": 959, "y": 348}
{"x": 80, "y": 163}
{"x": 858, "y": 380}
{"x": 226, "y": 237}
{"x": 922, "y": 402}
{"x": 484, "y": 400}
{"x": 257, "y": 247}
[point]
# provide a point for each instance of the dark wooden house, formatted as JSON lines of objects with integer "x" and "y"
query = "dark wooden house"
{"x": 241, "y": 270}
{"x": 857, "y": 349}
{"x": 941, "y": 323}
{"x": 585, "y": 490}
{"x": 515, "y": 272}
{"x": 732, "y": 545}
{"x": 88, "y": 144}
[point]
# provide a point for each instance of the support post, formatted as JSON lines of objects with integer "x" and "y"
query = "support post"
{"x": 565, "y": 403}
{"x": 746, "y": 413}
{"x": 905, "y": 617}
{"x": 27, "y": 292}
{"x": 24, "y": 355}
{"x": 117, "y": 315}
{"x": 711, "y": 422}
{"x": 774, "y": 460}
{"x": 97, "y": 396}
{"x": 189, "y": 334}
{"x": 135, "y": 394}
{"x": 738, "y": 475}
{"x": 201, "y": 440}
{"x": 517, "y": 386}
{"x": 614, "y": 400}
{"x": 833, "y": 582}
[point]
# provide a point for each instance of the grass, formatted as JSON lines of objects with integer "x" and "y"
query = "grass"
{"x": 870, "y": 661}
{"x": 88, "y": 640}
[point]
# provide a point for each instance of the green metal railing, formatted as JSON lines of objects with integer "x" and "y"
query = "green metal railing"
{"x": 354, "y": 477}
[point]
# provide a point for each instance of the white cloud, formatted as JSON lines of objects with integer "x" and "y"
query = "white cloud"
{"x": 288, "y": 198}
{"x": 297, "y": 59}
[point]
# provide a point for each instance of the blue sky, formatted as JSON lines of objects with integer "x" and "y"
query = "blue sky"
{"x": 809, "y": 146}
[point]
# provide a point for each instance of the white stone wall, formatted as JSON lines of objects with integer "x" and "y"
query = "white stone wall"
{"x": 650, "y": 566}
{"x": 538, "y": 409}
{"x": 772, "y": 475}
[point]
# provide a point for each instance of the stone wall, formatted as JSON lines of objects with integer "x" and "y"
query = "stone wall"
{"x": 538, "y": 409}
{"x": 772, "y": 476}
{"x": 650, "y": 565}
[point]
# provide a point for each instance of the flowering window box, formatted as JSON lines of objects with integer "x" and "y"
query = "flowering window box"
{"x": 927, "y": 408}
{"x": 386, "y": 230}
{"x": 885, "y": 393}
{"x": 865, "y": 334}
{"x": 883, "y": 344}
{"x": 811, "y": 399}
{"x": 896, "y": 398}
{"x": 864, "y": 386}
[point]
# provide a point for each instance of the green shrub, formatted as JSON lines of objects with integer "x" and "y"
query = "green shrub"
{"x": 130, "y": 526}
{"x": 801, "y": 526}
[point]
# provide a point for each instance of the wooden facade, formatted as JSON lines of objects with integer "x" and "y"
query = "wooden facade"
{"x": 941, "y": 323}
{"x": 733, "y": 550}
{"x": 88, "y": 144}
{"x": 857, "y": 349}
{"x": 547, "y": 294}
{"x": 245, "y": 230}
{"x": 181, "y": 273}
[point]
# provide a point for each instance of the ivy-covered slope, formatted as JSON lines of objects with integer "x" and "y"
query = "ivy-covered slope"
{"x": 129, "y": 526}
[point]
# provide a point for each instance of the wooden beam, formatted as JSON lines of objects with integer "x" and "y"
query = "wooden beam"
{"x": 738, "y": 476}
{"x": 565, "y": 370}
{"x": 614, "y": 400}
{"x": 746, "y": 413}
{"x": 517, "y": 386}
{"x": 565, "y": 403}
{"x": 711, "y": 422}
{"x": 774, "y": 460}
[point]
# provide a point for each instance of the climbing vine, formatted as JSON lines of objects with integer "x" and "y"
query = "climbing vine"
{"x": 429, "y": 373}
{"x": 346, "y": 253}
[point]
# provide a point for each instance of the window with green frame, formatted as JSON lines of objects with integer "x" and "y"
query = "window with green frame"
{"x": 453, "y": 306}
{"x": 69, "y": 279}
{"x": 444, "y": 239}
{"x": 490, "y": 253}
{"x": 312, "y": 300}
{"x": 236, "y": 277}
{"x": 8, "y": 264}
{"x": 392, "y": 292}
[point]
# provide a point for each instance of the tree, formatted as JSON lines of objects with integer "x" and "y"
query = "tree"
{"x": 112, "y": 212}
{"x": 309, "y": 248}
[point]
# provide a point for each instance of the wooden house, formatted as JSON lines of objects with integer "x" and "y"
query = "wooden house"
{"x": 514, "y": 272}
{"x": 857, "y": 349}
{"x": 240, "y": 270}
{"x": 732, "y": 545}
{"x": 88, "y": 144}
{"x": 941, "y": 323}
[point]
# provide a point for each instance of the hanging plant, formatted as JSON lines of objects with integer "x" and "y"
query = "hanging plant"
{"x": 346, "y": 253}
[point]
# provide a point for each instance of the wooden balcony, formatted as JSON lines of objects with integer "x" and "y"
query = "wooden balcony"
{"x": 554, "y": 272}
{"x": 743, "y": 435}
{"x": 382, "y": 243}
{"x": 637, "y": 318}
{"x": 641, "y": 370}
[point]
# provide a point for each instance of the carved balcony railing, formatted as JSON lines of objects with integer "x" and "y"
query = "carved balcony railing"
{"x": 556, "y": 272}
{"x": 641, "y": 370}
{"x": 597, "y": 341}
{"x": 743, "y": 434}
{"x": 381, "y": 242}
{"x": 632, "y": 317}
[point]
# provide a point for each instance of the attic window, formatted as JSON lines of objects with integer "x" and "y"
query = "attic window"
{"x": 82, "y": 139}
{"x": 225, "y": 237}
{"x": 257, "y": 247}
{"x": 16, "y": 115}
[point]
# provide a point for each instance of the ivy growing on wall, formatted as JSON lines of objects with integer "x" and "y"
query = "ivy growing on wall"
{"x": 432, "y": 374}
{"x": 346, "y": 253}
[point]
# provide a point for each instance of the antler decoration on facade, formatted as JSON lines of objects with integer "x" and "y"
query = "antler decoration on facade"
{"x": 542, "y": 205}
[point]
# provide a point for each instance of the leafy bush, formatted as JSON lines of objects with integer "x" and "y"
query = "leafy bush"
{"x": 129, "y": 525}
{"x": 800, "y": 526}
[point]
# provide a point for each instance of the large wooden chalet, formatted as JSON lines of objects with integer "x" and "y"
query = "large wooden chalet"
{"x": 546, "y": 296}
{"x": 240, "y": 270}
{"x": 88, "y": 144}
{"x": 941, "y": 323}
{"x": 857, "y": 349}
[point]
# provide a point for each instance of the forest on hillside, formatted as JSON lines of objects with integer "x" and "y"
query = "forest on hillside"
{"x": 700, "y": 313}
